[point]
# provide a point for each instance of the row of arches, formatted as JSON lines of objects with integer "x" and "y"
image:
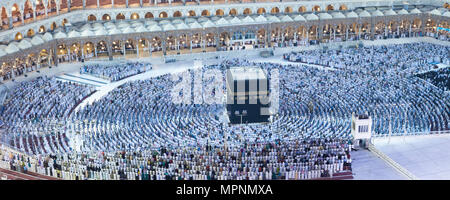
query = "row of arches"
{"x": 18, "y": 16}
{"x": 192, "y": 13}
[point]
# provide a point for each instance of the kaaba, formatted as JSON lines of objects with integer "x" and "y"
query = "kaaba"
{"x": 247, "y": 95}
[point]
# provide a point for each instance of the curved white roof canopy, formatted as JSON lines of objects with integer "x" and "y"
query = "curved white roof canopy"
{"x": 47, "y": 37}
{"x": 101, "y": 32}
{"x": 337, "y": 15}
{"x": 12, "y": 48}
{"x": 60, "y": 35}
{"x": 248, "y": 19}
{"x": 181, "y": 26}
{"x": 222, "y": 21}
{"x": 435, "y": 12}
{"x": 311, "y": 16}
{"x": 364, "y": 13}
{"x": 402, "y": 12}
{"x": 286, "y": 18}
{"x": 87, "y": 33}
{"x": 85, "y": 27}
{"x": 323, "y": 16}
{"x": 73, "y": 34}
{"x": 352, "y": 15}
{"x": 25, "y": 44}
{"x": 299, "y": 18}
{"x": 154, "y": 28}
{"x": 389, "y": 12}
{"x": 195, "y": 25}
{"x": 123, "y": 25}
{"x": 150, "y": 22}
{"x": 37, "y": 39}
{"x": 260, "y": 18}
{"x": 208, "y": 24}
{"x": 377, "y": 13}
{"x": 177, "y": 21}
{"x": 235, "y": 20}
{"x": 415, "y": 11}
{"x": 141, "y": 29}
{"x": 114, "y": 31}
{"x": 446, "y": 14}
{"x": 168, "y": 27}
{"x": 273, "y": 18}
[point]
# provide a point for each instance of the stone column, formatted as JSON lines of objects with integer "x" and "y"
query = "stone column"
{"x": 34, "y": 13}
{"x": 124, "y": 50}
{"x": 112, "y": 3}
{"x": 68, "y": 5}
{"x": 163, "y": 44}
{"x": 11, "y": 22}
{"x": 55, "y": 55}
{"x": 346, "y": 33}
{"x": 140, "y": 3}
{"x": 126, "y": 3}
{"x": 217, "y": 40}
{"x": 109, "y": 48}
{"x": 359, "y": 31}
{"x": 84, "y": 4}
{"x": 137, "y": 47}
{"x": 98, "y": 3}
{"x": 372, "y": 31}
{"x": 320, "y": 34}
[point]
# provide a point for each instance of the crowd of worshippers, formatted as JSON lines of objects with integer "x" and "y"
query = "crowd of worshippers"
{"x": 314, "y": 102}
{"x": 440, "y": 77}
{"x": 285, "y": 160}
{"x": 116, "y": 71}
{"x": 37, "y": 107}
{"x": 415, "y": 57}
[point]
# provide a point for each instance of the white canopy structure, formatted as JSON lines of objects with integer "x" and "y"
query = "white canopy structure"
{"x": 299, "y": 18}
{"x": 60, "y": 35}
{"x": 154, "y": 28}
{"x": 73, "y": 34}
{"x": 114, "y": 31}
{"x": 415, "y": 11}
{"x": 47, "y": 37}
{"x": 141, "y": 29}
{"x": 402, "y": 12}
{"x": 195, "y": 25}
{"x": 389, "y": 12}
{"x": 168, "y": 27}
{"x": 235, "y": 20}
{"x": 37, "y": 39}
{"x": 338, "y": 15}
{"x": 364, "y": 13}
{"x": 273, "y": 18}
{"x": 377, "y": 13}
{"x": 208, "y": 24}
{"x": 324, "y": 16}
{"x": 87, "y": 33}
{"x": 311, "y": 17}
{"x": 352, "y": 15}
{"x": 435, "y": 12}
{"x": 128, "y": 30}
{"x": 248, "y": 19}
{"x": 260, "y": 19}
{"x": 222, "y": 21}
{"x": 286, "y": 18}
{"x": 12, "y": 48}
{"x": 181, "y": 26}
{"x": 25, "y": 44}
